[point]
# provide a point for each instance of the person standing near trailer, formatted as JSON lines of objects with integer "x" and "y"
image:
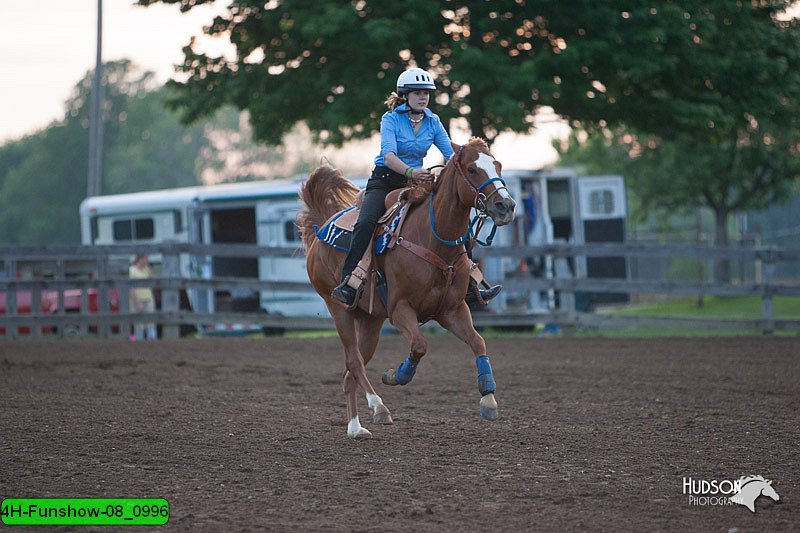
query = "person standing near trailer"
{"x": 142, "y": 300}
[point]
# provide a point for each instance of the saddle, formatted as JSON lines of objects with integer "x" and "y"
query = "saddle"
{"x": 394, "y": 201}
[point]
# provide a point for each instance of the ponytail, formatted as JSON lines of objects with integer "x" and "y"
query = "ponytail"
{"x": 395, "y": 100}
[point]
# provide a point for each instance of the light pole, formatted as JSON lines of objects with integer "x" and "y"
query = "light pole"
{"x": 94, "y": 179}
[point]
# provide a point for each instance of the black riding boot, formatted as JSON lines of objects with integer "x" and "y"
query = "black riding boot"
{"x": 487, "y": 294}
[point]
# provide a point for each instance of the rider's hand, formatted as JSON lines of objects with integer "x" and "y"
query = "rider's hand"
{"x": 421, "y": 174}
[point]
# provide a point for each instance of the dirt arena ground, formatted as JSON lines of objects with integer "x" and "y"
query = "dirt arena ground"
{"x": 249, "y": 435}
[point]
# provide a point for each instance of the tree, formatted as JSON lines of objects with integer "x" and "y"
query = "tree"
{"x": 331, "y": 64}
{"x": 662, "y": 67}
{"x": 703, "y": 95}
{"x": 711, "y": 76}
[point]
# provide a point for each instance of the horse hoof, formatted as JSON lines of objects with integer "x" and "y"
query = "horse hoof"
{"x": 382, "y": 417}
{"x": 489, "y": 407}
{"x": 388, "y": 377}
{"x": 360, "y": 433}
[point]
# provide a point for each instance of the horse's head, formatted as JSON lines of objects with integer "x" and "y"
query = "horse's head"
{"x": 751, "y": 487}
{"x": 482, "y": 187}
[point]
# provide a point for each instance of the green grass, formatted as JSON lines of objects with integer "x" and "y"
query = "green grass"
{"x": 785, "y": 307}
{"x": 716, "y": 307}
{"x": 649, "y": 333}
{"x": 311, "y": 334}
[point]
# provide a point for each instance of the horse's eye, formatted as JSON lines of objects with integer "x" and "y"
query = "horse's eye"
{"x": 471, "y": 170}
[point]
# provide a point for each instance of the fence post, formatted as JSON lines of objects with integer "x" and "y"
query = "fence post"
{"x": 36, "y": 310}
{"x": 170, "y": 299}
{"x": 12, "y": 332}
{"x": 103, "y": 302}
{"x": 767, "y": 325}
{"x": 60, "y": 275}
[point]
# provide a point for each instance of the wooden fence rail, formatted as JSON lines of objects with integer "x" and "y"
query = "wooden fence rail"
{"x": 98, "y": 274}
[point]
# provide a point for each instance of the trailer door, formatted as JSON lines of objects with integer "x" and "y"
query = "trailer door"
{"x": 603, "y": 211}
{"x": 277, "y": 228}
{"x": 234, "y": 225}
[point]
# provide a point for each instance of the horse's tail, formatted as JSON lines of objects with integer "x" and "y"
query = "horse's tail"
{"x": 325, "y": 193}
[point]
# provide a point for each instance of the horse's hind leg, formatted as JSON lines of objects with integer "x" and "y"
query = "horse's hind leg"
{"x": 355, "y": 375}
{"x": 459, "y": 323}
{"x": 369, "y": 333}
{"x": 354, "y": 428}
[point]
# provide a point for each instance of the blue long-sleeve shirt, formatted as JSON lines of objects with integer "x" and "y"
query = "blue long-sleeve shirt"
{"x": 397, "y": 136}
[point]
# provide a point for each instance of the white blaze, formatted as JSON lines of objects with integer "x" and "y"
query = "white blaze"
{"x": 486, "y": 162}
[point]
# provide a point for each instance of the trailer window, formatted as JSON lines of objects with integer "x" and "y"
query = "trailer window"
{"x": 601, "y": 202}
{"x": 133, "y": 229}
{"x": 290, "y": 231}
{"x": 143, "y": 228}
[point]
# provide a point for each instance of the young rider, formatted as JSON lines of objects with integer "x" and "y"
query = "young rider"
{"x": 408, "y": 130}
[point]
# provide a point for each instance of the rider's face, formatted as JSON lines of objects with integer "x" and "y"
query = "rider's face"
{"x": 418, "y": 100}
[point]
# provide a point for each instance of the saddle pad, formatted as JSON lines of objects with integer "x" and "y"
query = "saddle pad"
{"x": 332, "y": 235}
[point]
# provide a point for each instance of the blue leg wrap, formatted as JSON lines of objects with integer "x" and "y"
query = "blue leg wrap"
{"x": 486, "y": 384}
{"x": 405, "y": 371}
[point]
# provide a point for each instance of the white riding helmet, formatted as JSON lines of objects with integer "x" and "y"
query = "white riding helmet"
{"x": 414, "y": 79}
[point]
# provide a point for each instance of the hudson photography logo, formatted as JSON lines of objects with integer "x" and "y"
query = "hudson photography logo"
{"x": 743, "y": 491}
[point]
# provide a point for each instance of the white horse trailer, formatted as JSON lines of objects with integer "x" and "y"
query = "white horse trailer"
{"x": 260, "y": 213}
{"x": 553, "y": 205}
{"x": 556, "y": 205}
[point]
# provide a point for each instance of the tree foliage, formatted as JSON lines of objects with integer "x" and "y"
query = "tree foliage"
{"x": 702, "y": 96}
{"x": 332, "y": 64}
{"x": 659, "y": 67}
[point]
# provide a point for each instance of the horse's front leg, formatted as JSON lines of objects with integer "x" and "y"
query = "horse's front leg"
{"x": 404, "y": 318}
{"x": 459, "y": 322}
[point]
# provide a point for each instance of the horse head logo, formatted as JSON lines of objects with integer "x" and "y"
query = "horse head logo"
{"x": 751, "y": 488}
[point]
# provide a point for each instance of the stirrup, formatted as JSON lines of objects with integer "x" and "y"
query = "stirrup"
{"x": 347, "y": 294}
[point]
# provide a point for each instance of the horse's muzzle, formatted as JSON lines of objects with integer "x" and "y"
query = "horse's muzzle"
{"x": 502, "y": 211}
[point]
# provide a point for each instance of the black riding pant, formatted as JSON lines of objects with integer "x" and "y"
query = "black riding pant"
{"x": 382, "y": 182}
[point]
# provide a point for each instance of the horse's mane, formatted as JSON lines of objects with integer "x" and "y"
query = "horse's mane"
{"x": 478, "y": 141}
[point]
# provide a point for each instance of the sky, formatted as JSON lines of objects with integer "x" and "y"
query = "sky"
{"x": 48, "y": 46}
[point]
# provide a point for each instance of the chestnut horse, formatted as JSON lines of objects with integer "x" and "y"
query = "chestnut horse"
{"x": 427, "y": 272}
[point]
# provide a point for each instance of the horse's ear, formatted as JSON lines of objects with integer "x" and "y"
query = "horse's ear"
{"x": 456, "y": 147}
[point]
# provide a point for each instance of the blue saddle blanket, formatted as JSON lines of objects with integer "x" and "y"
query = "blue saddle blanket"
{"x": 340, "y": 239}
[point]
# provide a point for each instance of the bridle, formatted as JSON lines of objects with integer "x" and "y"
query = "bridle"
{"x": 480, "y": 199}
{"x": 480, "y": 205}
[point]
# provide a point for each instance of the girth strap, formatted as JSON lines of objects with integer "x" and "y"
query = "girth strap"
{"x": 429, "y": 256}
{"x": 449, "y": 271}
